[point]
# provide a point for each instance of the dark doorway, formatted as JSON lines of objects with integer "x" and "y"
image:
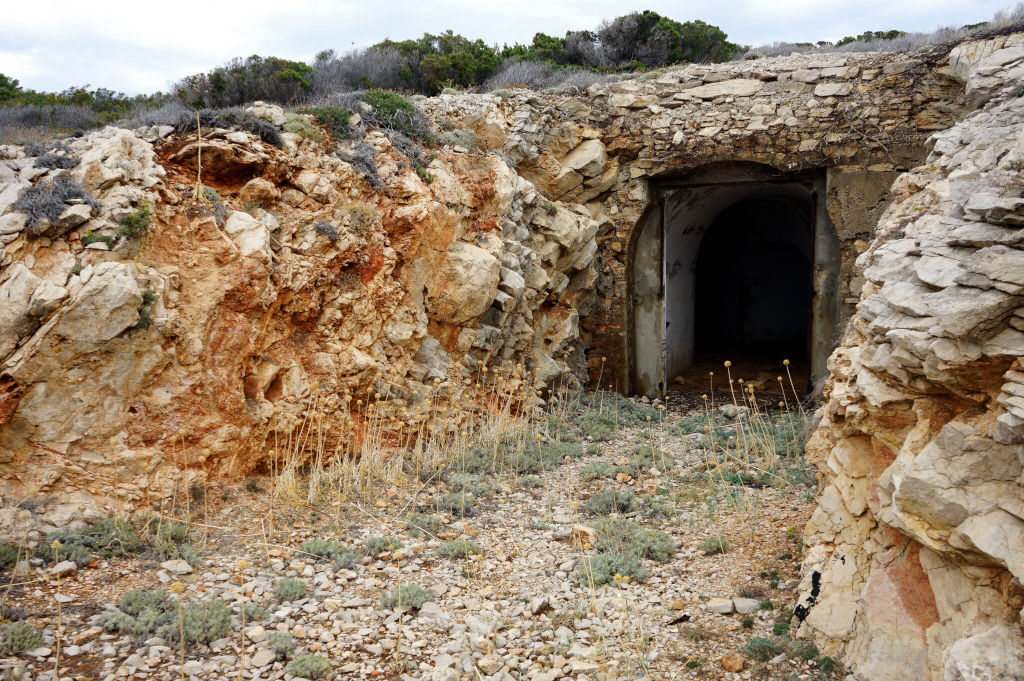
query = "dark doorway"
{"x": 753, "y": 285}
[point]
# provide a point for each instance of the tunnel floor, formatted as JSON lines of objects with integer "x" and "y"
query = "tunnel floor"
{"x": 763, "y": 369}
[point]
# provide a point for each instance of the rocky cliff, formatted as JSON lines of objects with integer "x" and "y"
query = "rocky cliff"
{"x": 134, "y": 363}
{"x": 916, "y": 551}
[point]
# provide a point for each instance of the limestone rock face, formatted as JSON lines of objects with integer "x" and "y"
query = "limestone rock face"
{"x": 464, "y": 283}
{"x": 914, "y": 565}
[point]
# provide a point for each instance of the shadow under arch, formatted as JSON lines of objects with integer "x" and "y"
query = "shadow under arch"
{"x": 782, "y": 228}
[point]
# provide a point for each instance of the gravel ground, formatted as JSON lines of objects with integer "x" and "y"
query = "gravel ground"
{"x": 516, "y": 611}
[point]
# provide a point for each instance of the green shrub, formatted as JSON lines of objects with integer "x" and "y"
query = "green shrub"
{"x": 618, "y": 535}
{"x": 44, "y": 202}
{"x": 17, "y": 637}
{"x": 599, "y": 469}
{"x": 458, "y": 504}
{"x": 828, "y": 665}
{"x": 335, "y": 119}
{"x": 341, "y": 555}
{"x": 460, "y": 137}
{"x": 420, "y": 524}
{"x": 747, "y": 622}
{"x": 255, "y": 612}
{"x": 392, "y": 111}
{"x": 407, "y": 596}
{"x": 715, "y": 545}
{"x": 300, "y": 125}
{"x": 763, "y": 649}
{"x": 135, "y": 225}
{"x": 203, "y": 622}
{"x": 289, "y": 589}
{"x": 9, "y": 554}
{"x": 103, "y": 538}
{"x": 645, "y": 458}
{"x": 155, "y": 612}
{"x": 531, "y": 482}
{"x": 378, "y": 545}
{"x": 459, "y": 548}
{"x": 471, "y": 484}
{"x": 309, "y": 667}
{"x": 282, "y": 643}
{"x": 611, "y": 501}
{"x": 601, "y": 569}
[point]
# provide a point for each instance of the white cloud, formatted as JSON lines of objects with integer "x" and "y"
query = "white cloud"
{"x": 142, "y": 47}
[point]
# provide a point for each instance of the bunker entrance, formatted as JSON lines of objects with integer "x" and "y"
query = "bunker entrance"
{"x": 739, "y": 263}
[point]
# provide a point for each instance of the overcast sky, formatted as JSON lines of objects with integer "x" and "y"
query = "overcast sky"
{"x": 144, "y": 46}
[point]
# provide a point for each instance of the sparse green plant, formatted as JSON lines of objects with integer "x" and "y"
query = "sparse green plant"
{"x": 645, "y": 458}
{"x": 9, "y": 554}
{"x": 135, "y": 225}
{"x": 425, "y": 175}
{"x": 602, "y": 569}
{"x": 619, "y": 535}
{"x": 828, "y": 665}
{"x": 17, "y": 637}
{"x": 335, "y": 119}
{"x": 715, "y": 545}
{"x": 407, "y": 596}
{"x": 77, "y": 267}
{"x": 377, "y": 545}
{"x": 282, "y": 643}
{"x": 780, "y": 628}
{"x": 299, "y": 124}
{"x": 420, "y": 524}
{"x": 252, "y": 486}
{"x": 656, "y": 505}
{"x": 459, "y": 548}
{"x": 459, "y": 137}
{"x": 90, "y": 238}
{"x": 599, "y": 469}
{"x": 611, "y": 501}
{"x": 531, "y": 482}
{"x": 763, "y": 649}
{"x": 309, "y": 667}
{"x": 326, "y": 229}
{"x": 1016, "y": 164}
{"x": 550, "y": 208}
{"x": 255, "y": 612}
{"x": 155, "y": 612}
{"x": 341, "y": 555}
{"x": 747, "y": 622}
{"x": 471, "y": 484}
{"x": 84, "y": 543}
{"x": 289, "y": 589}
{"x": 458, "y": 504}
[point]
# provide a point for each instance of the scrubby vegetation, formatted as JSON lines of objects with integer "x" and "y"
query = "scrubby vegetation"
{"x": 289, "y": 589}
{"x": 157, "y": 612}
{"x": 112, "y": 537}
{"x": 459, "y": 548}
{"x": 309, "y": 667}
{"x": 44, "y": 202}
{"x": 341, "y": 555}
{"x": 17, "y": 637}
{"x": 377, "y": 545}
{"x": 407, "y": 596}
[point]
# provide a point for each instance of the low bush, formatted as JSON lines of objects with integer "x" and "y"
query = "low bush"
{"x": 715, "y": 545}
{"x": 420, "y": 524}
{"x": 406, "y": 596}
{"x": 57, "y": 161}
{"x": 334, "y": 119}
{"x": 362, "y": 157}
{"x": 471, "y": 484}
{"x": 282, "y": 643}
{"x": 341, "y": 555}
{"x": 460, "y": 137}
{"x": 297, "y": 124}
{"x": 531, "y": 482}
{"x": 154, "y": 612}
{"x": 602, "y": 569}
{"x": 598, "y": 470}
{"x": 611, "y": 501}
{"x": 17, "y": 637}
{"x": 135, "y": 225}
{"x": 326, "y": 229}
{"x": 289, "y": 589}
{"x": 618, "y": 535}
{"x": 103, "y": 538}
{"x": 231, "y": 118}
{"x": 309, "y": 667}
{"x": 377, "y": 545}
{"x": 459, "y": 548}
{"x": 9, "y": 554}
{"x": 44, "y": 202}
{"x": 458, "y": 504}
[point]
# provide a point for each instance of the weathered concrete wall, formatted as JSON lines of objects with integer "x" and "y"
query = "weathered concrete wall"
{"x": 863, "y": 117}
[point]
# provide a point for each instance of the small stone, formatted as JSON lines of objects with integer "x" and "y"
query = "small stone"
{"x": 63, "y": 568}
{"x": 732, "y": 662}
{"x": 177, "y": 566}
{"x": 263, "y": 657}
{"x": 722, "y": 606}
{"x": 256, "y": 634}
{"x": 489, "y": 664}
{"x": 745, "y": 606}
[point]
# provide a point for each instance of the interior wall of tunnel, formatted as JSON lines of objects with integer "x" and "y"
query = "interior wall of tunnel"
{"x": 728, "y": 235}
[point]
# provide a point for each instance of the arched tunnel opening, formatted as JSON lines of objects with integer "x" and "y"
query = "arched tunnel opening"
{"x": 736, "y": 262}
